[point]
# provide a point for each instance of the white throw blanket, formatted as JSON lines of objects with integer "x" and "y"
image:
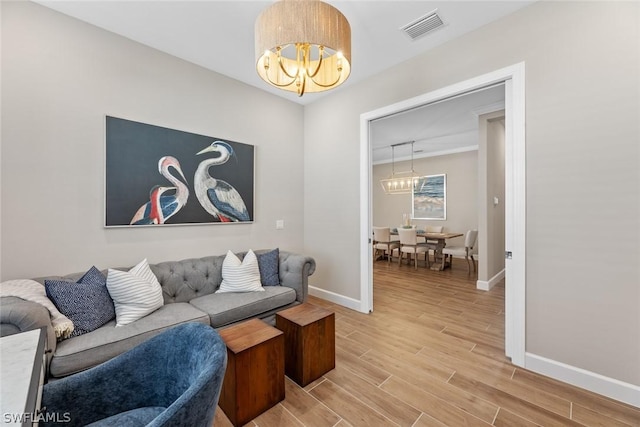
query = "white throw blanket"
{"x": 31, "y": 290}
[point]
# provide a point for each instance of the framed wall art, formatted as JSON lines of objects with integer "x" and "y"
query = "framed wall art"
{"x": 160, "y": 176}
{"x": 430, "y": 197}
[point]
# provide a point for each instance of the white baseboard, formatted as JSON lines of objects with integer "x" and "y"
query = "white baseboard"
{"x": 351, "y": 303}
{"x": 610, "y": 387}
{"x": 484, "y": 285}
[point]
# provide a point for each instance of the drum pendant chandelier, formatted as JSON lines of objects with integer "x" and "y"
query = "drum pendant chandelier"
{"x": 303, "y": 46}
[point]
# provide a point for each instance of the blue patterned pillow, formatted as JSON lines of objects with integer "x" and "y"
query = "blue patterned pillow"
{"x": 269, "y": 265}
{"x": 86, "y": 303}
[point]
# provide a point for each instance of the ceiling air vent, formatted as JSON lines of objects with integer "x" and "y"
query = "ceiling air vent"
{"x": 424, "y": 25}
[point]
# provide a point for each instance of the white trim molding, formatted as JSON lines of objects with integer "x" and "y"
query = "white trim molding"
{"x": 515, "y": 214}
{"x": 429, "y": 154}
{"x": 610, "y": 387}
{"x": 490, "y": 108}
{"x": 351, "y": 303}
{"x": 366, "y": 219}
{"x": 485, "y": 285}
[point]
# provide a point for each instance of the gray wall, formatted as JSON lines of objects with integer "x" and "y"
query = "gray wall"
{"x": 491, "y": 180}
{"x": 462, "y": 191}
{"x": 583, "y": 180}
{"x": 60, "y": 77}
{"x": 495, "y": 187}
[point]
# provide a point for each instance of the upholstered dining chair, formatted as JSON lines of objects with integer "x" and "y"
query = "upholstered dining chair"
{"x": 382, "y": 242}
{"x": 465, "y": 251}
{"x": 173, "y": 379}
{"x": 433, "y": 244}
{"x": 409, "y": 245}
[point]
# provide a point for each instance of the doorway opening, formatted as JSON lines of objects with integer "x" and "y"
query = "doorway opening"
{"x": 513, "y": 79}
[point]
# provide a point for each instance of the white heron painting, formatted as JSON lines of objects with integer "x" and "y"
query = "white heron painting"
{"x": 158, "y": 176}
{"x": 216, "y": 196}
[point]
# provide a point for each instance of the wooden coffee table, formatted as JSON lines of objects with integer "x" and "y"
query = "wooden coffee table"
{"x": 310, "y": 341}
{"x": 254, "y": 380}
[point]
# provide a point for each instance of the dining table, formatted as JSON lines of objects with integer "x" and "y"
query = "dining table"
{"x": 441, "y": 239}
{"x": 441, "y": 242}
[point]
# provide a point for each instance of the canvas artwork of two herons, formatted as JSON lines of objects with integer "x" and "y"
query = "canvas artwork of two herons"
{"x": 219, "y": 198}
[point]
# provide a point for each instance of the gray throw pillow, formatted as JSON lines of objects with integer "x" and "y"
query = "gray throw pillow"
{"x": 269, "y": 265}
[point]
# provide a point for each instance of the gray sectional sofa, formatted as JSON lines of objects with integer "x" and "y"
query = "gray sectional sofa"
{"x": 189, "y": 296}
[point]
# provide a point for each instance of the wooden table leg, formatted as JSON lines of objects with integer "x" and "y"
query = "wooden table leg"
{"x": 439, "y": 266}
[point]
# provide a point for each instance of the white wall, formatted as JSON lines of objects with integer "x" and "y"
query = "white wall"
{"x": 60, "y": 77}
{"x": 462, "y": 193}
{"x": 583, "y": 172}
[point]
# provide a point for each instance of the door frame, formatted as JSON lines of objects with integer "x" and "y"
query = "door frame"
{"x": 515, "y": 195}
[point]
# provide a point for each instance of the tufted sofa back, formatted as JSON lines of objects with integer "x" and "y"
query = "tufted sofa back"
{"x": 184, "y": 280}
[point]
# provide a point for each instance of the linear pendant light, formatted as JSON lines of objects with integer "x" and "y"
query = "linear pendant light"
{"x": 400, "y": 182}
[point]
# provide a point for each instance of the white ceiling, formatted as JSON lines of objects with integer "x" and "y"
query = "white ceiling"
{"x": 440, "y": 128}
{"x": 219, "y": 35}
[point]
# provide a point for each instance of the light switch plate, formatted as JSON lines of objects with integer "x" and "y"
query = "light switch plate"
{"x": 279, "y": 224}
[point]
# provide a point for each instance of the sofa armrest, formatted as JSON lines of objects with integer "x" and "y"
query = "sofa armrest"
{"x": 18, "y": 315}
{"x": 295, "y": 270}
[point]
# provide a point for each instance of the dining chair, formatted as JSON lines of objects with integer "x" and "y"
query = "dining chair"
{"x": 382, "y": 242}
{"x": 409, "y": 245}
{"x": 465, "y": 251}
{"x": 433, "y": 244}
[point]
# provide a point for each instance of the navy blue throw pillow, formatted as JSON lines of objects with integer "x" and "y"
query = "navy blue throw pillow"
{"x": 268, "y": 264}
{"x": 86, "y": 303}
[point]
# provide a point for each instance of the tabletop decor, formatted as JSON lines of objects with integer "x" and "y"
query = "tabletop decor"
{"x": 430, "y": 197}
{"x": 161, "y": 176}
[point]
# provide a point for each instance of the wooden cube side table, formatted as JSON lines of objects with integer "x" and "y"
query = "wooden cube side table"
{"x": 254, "y": 380}
{"x": 310, "y": 342}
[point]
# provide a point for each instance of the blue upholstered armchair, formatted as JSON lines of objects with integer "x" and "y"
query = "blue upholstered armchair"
{"x": 173, "y": 379}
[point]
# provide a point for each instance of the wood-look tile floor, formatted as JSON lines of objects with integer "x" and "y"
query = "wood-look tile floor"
{"x": 432, "y": 354}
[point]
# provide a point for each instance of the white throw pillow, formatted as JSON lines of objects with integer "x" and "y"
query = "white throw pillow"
{"x": 135, "y": 293}
{"x": 240, "y": 276}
